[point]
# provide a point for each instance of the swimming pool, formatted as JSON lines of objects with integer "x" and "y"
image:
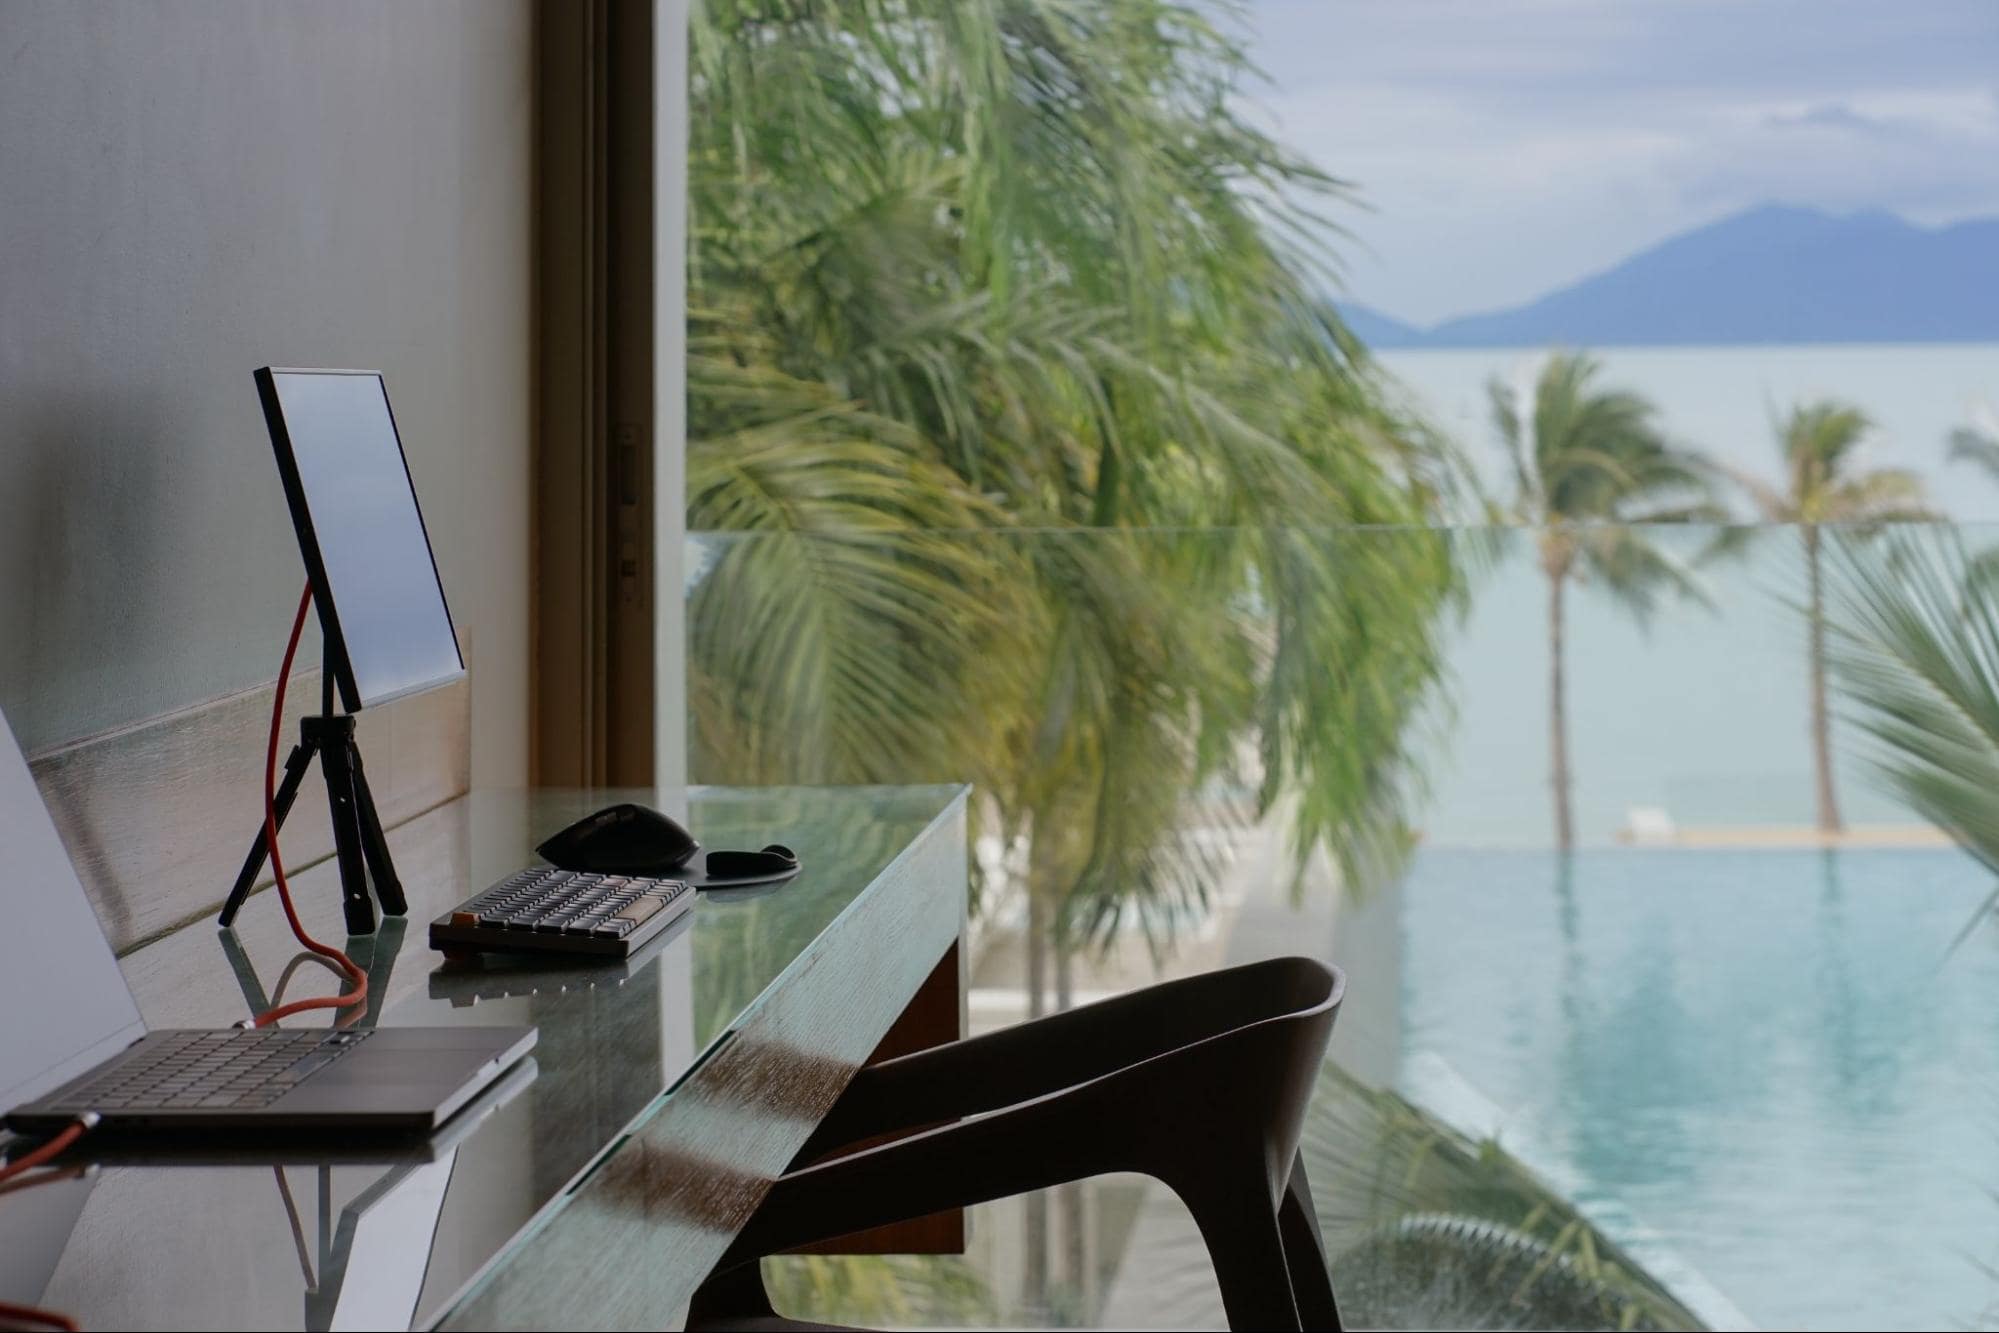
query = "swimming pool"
{"x": 1768, "y": 1058}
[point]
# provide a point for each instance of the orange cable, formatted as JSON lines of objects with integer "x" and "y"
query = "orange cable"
{"x": 28, "y": 1161}
{"x": 359, "y": 994}
{"x": 29, "y": 1317}
{"x": 28, "y": 1314}
{"x": 47, "y": 1177}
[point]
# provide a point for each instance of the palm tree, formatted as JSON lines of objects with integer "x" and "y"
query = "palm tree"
{"x": 1589, "y": 464}
{"x": 993, "y": 303}
{"x": 1816, "y": 445}
{"x": 966, "y": 267}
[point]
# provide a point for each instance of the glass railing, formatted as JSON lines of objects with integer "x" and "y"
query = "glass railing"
{"x": 1725, "y": 1060}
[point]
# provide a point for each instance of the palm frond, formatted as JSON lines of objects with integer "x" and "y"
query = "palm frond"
{"x": 1916, "y": 654}
{"x": 1637, "y": 570}
{"x": 1512, "y": 429}
{"x": 1602, "y": 473}
{"x": 1970, "y": 444}
{"x": 961, "y": 267}
{"x": 1815, "y": 441}
{"x": 1428, "y": 1227}
{"x": 1886, "y": 495}
{"x": 1772, "y": 504}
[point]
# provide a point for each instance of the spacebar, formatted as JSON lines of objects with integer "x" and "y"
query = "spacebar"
{"x": 640, "y": 909}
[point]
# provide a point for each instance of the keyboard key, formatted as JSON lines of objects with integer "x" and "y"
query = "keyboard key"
{"x": 547, "y": 902}
{"x": 642, "y": 909}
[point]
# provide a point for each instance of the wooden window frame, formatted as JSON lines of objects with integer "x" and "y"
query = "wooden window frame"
{"x": 610, "y": 314}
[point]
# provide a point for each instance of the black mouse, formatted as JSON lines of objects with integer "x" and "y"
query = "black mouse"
{"x": 622, "y": 840}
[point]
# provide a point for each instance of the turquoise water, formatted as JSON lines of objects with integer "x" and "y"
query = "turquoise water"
{"x": 1765, "y": 1058}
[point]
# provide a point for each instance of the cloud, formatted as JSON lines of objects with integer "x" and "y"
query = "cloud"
{"x": 1833, "y": 116}
{"x": 1508, "y": 146}
{"x": 1929, "y": 157}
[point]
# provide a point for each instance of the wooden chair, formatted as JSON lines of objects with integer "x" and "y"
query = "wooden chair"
{"x": 1200, "y": 1083}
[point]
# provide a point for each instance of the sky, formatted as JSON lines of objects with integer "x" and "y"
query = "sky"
{"x": 1503, "y": 148}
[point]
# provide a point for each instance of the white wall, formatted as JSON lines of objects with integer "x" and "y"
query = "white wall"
{"x": 190, "y": 190}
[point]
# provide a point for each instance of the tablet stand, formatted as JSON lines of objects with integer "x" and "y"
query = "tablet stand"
{"x": 357, "y": 829}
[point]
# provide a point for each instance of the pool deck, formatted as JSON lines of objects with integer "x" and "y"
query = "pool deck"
{"x": 1789, "y": 837}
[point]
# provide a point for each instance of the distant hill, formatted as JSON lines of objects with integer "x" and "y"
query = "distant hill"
{"x": 1770, "y": 275}
{"x": 1378, "y": 330}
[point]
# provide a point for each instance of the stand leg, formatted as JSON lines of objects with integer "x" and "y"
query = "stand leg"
{"x": 374, "y": 845}
{"x": 246, "y": 975}
{"x": 360, "y": 908}
{"x": 253, "y": 864}
{"x": 376, "y": 955}
{"x": 358, "y": 841}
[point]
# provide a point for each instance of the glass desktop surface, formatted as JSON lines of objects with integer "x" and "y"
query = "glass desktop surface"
{"x": 215, "y": 1245}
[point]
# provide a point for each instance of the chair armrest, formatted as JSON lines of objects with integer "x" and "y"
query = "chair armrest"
{"x": 1046, "y": 1055}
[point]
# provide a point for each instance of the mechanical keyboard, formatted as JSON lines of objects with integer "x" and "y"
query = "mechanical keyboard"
{"x": 545, "y": 910}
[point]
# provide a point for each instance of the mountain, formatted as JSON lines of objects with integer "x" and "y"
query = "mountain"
{"x": 1379, "y": 330}
{"x": 1770, "y": 275}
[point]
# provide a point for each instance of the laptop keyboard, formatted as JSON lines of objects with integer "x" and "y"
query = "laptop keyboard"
{"x": 227, "y": 1070}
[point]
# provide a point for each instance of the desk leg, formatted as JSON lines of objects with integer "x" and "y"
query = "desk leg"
{"x": 934, "y": 1015}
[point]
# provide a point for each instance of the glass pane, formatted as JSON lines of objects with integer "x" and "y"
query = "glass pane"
{"x": 1675, "y": 1076}
{"x": 1192, "y": 463}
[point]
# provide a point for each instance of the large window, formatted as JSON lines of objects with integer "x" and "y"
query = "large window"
{"x": 1498, "y": 503}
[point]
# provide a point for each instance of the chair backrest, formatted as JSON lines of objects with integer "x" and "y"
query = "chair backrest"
{"x": 1238, "y": 1048}
{"x": 1281, "y": 1013}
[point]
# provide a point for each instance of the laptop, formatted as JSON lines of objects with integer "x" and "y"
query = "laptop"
{"x": 73, "y": 1041}
{"x": 385, "y": 1250}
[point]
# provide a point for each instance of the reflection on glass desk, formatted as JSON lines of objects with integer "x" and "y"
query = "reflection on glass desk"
{"x": 349, "y": 1241}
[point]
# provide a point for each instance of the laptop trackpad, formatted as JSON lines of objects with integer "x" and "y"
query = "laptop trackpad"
{"x": 429, "y": 1068}
{"x": 383, "y": 1079}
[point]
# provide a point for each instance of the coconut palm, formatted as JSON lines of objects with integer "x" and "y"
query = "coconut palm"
{"x": 1031, "y": 442}
{"x": 1590, "y": 464}
{"x": 1820, "y": 486}
{"x": 961, "y": 267}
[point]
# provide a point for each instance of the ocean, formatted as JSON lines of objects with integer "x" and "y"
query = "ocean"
{"x": 1700, "y": 714}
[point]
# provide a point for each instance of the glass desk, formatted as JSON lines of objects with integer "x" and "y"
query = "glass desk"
{"x": 598, "y": 1187}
